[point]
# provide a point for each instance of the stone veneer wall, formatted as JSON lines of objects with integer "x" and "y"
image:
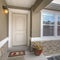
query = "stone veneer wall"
{"x": 51, "y": 47}
{"x": 3, "y": 52}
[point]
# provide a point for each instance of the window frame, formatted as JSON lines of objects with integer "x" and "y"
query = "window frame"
{"x": 55, "y": 24}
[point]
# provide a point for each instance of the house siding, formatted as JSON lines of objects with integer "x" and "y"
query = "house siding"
{"x": 36, "y": 24}
{"x": 3, "y": 21}
{"x": 3, "y": 31}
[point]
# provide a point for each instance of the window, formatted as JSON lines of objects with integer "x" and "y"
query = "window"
{"x": 50, "y": 23}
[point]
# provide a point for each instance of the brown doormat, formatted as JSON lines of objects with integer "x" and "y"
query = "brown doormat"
{"x": 16, "y": 53}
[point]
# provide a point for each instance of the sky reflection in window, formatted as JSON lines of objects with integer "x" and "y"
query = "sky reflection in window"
{"x": 48, "y": 18}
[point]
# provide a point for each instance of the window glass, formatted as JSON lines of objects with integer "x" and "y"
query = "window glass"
{"x": 48, "y": 30}
{"x": 58, "y": 30}
{"x": 48, "y": 18}
{"x": 58, "y": 20}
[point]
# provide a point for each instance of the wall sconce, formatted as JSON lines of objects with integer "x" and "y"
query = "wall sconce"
{"x": 5, "y": 9}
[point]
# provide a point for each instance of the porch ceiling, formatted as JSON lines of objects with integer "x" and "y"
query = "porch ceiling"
{"x": 35, "y": 5}
{"x": 54, "y": 5}
{"x": 21, "y": 3}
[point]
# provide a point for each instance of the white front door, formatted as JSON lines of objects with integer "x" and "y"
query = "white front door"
{"x": 19, "y": 29}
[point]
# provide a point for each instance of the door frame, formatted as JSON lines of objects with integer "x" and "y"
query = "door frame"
{"x": 11, "y": 11}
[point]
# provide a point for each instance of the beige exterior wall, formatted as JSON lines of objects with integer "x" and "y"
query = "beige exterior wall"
{"x": 3, "y": 21}
{"x": 36, "y": 18}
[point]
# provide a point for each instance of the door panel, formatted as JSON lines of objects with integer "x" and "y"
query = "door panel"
{"x": 19, "y": 29}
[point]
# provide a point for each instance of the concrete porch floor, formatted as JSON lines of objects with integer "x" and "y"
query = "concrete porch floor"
{"x": 28, "y": 55}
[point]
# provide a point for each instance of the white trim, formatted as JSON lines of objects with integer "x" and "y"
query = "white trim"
{"x": 11, "y": 11}
{"x": 18, "y": 11}
{"x": 10, "y": 31}
{"x": 55, "y": 31}
{"x": 3, "y": 42}
{"x": 45, "y": 38}
{"x": 41, "y": 25}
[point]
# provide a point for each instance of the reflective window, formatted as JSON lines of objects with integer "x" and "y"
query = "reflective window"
{"x": 48, "y": 30}
{"x": 48, "y": 18}
{"x": 58, "y": 20}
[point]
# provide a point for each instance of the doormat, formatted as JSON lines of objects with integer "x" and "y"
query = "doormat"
{"x": 16, "y": 53}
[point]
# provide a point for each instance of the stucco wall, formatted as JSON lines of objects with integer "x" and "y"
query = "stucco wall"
{"x": 3, "y": 21}
{"x": 36, "y": 24}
